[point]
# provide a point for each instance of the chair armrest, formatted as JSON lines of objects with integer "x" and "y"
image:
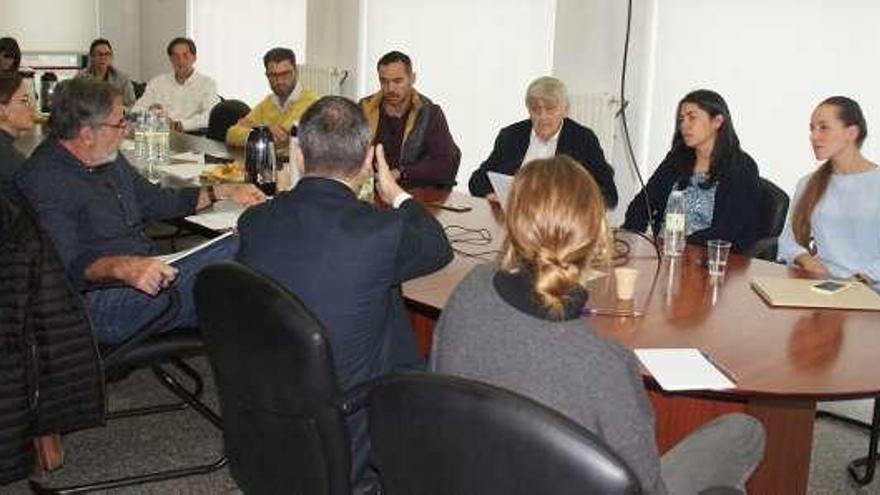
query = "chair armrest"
{"x": 764, "y": 248}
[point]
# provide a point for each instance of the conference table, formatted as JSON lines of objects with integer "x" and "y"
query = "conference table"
{"x": 784, "y": 360}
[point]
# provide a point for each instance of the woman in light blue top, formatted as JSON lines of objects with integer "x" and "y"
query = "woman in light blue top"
{"x": 834, "y": 228}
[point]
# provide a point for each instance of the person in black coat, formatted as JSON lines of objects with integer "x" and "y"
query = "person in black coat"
{"x": 719, "y": 179}
{"x": 547, "y": 132}
{"x": 346, "y": 259}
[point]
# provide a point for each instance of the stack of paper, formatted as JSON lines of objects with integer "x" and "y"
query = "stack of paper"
{"x": 684, "y": 369}
{"x": 220, "y": 217}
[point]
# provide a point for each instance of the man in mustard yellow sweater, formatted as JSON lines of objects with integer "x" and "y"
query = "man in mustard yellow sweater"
{"x": 282, "y": 109}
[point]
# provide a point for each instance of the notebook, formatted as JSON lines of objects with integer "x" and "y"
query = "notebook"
{"x": 501, "y": 183}
{"x": 799, "y": 293}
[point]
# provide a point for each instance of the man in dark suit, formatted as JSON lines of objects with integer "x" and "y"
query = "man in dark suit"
{"x": 547, "y": 132}
{"x": 343, "y": 258}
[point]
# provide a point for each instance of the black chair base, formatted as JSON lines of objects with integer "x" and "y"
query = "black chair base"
{"x": 868, "y": 464}
{"x": 190, "y": 398}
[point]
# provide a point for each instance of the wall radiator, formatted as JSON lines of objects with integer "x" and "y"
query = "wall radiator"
{"x": 596, "y": 111}
{"x": 324, "y": 80}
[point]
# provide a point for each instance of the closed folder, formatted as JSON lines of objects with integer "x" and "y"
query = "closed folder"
{"x": 798, "y": 293}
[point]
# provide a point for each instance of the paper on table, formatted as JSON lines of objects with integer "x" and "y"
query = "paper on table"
{"x": 222, "y": 216}
{"x": 175, "y": 257}
{"x": 184, "y": 171}
{"x": 188, "y": 156}
{"x": 683, "y": 369}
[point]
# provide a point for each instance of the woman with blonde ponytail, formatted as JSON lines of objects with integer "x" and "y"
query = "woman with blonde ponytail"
{"x": 519, "y": 325}
{"x": 834, "y": 227}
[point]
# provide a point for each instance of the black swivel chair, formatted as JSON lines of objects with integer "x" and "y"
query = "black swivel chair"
{"x": 435, "y": 434}
{"x": 223, "y": 116}
{"x": 772, "y": 208}
{"x": 284, "y": 417}
{"x": 149, "y": 349}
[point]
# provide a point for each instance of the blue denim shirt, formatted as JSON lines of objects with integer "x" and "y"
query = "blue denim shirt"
{"x": 92, "y": 212}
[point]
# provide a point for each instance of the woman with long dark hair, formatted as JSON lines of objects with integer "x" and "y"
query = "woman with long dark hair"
{"x": 519, "y": 325}
{"x": 718, "y": 179}
{"x": 833, "y": 228}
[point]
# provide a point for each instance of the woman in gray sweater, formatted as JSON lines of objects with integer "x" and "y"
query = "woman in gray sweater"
{"x": 520, "y": 327}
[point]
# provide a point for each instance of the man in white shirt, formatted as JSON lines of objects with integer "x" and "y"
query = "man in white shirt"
{"x": 186, "y": 96}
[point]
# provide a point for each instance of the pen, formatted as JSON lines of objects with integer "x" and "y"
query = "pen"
{"x": 721, "y": 368}
{"x": 610, "y": 312}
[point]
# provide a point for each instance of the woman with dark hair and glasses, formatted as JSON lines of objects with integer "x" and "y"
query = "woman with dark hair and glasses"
{"x": 832, "y": 229}
{"x": 16, "y": 116}
{"x": 10, "y": 55}
{"x": 101, "y": 68}
{"x": 718, "y": 179}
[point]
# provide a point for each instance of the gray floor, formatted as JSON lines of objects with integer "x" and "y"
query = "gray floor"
{"x": 139, "y": 444}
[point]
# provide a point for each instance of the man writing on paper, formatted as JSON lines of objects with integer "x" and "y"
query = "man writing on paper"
{"x": 281, "y": 110}
{"x": 343, "y": 258}
{"x": 185, "y": 95}
{"x": 93, "y": 204}
{"x": 411, "y": 128}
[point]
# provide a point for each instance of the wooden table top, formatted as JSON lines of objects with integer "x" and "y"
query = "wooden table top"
{"x": 774, "y": 352}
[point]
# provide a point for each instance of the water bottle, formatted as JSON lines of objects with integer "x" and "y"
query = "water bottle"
{"x": 673, "y": 225}
{"x": 140, "y": 139}
{"x": 163, "y": 137}
{"x": 151, "y": 139}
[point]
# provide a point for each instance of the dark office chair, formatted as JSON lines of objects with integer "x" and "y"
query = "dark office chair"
{"x": 435, "y": 434}
{"x": 223, "y": 116}
{"x": 772, "y": 208}
{"x": 285, "y": 429}
{"x": 160, "y": 352}
{"x": 139, "y": 88}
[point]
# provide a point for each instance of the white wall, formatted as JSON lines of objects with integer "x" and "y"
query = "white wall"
{"x": 588, "y": 57}
{"x": 49, "y": 25}
{"x": 474, "y": 58}
{"x": 233, "y": 35}
{"x": 119, "y": 21}
{"x": 332, "y": 38}
{"x": 772, "y": 62}
{"x": 161, "y": 21}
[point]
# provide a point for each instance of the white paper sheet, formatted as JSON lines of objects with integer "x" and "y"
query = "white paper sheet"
{"x": 684, "y": 369}
{"x": 174, "y": 257}
{"x": 222, "y": 216}
{"x": 188, "y": 156}
{"x": 183, "y": 171}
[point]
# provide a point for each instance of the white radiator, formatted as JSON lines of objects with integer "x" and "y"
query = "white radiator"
{"x": 596, "y": 111}
{"x": 324, "y": 80}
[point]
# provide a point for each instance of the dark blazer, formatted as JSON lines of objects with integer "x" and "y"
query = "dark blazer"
{"x": 734, "y": 217}
{"x": 346, "y": 260}
{"x": 575, "y": 141}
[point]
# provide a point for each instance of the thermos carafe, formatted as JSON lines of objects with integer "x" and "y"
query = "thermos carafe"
{"x": 259, "y": 161}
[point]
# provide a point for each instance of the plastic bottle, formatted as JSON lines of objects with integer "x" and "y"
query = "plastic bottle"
{"x": 673, "y": 225}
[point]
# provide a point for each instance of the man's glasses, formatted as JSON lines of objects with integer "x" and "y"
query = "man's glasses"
{"x": 24, "y": 100}
{"x": 122, "y": 124}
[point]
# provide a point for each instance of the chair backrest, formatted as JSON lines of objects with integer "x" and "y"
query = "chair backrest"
{"x": 773, "y": 208}
{"x": 273, "y": 367}
{"x": 436, "y": 434}
{"x": 223, "y": 116}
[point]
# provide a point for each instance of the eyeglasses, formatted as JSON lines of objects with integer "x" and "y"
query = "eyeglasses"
{"x": 279, "y": 75}
{"x": 122, "y": 124}
{"x": 7, "y": 55}
{"x": 102, "y": 54}
{"x": 24, "y": 100}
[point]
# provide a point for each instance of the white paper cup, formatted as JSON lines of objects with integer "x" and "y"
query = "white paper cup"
{"x": 625, "y": 282}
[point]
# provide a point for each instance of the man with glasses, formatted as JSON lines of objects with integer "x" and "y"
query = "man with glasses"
{"x": 185, "y": 95}
{"x": 101, "y": 68}
{"x": 281, "y": 110}
{"x": 93, "y": 204}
